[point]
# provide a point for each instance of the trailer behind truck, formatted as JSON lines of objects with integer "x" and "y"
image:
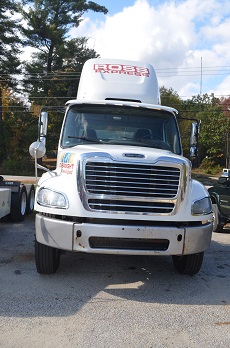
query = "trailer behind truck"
{"x": 16, "y": 199}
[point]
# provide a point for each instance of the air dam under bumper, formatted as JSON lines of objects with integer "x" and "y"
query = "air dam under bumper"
{"x": 118, "y": 239}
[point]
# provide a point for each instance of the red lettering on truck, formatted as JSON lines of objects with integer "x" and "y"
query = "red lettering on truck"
{"x": 122, "y": 69}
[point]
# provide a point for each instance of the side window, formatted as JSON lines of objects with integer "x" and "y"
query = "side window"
{"x": 71, "y": 129}
{"x": 171, "y": 137}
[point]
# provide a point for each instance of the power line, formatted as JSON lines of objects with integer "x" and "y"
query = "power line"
{"x": 74, "y": 97}
{"x": 178, "y": 71}
{"x": 18, "y": 107}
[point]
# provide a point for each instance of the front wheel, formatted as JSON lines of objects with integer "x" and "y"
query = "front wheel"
{"x": 47, "y": 258}
{"x": 188, "y": 264}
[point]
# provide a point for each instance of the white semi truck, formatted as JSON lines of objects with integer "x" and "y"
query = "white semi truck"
{"x": 121, "y": 185}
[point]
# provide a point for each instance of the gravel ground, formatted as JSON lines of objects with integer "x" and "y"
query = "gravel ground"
{"x": 111, "y": 301}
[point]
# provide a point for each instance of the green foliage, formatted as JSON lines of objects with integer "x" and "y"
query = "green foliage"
{"x": 52, "y": 76}
{"x": 9, "y": 41}
{"x": 15, "y": 165}
{"x": 58, "y": 86}
{"x": 20, "y": 130}
{"x": 213, "y": 132}
{"x": 215, "y": 124}
{"x": 9, "y": 61}
{"x": 169, "y": 97}
{"x": 61, "y": 85}
{"x": 48, "y": 22}
{"x": 48, "y": 25}
{"x": 209, "y": 166}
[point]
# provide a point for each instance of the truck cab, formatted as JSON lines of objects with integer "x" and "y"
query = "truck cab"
{"x": 121, "y": 185}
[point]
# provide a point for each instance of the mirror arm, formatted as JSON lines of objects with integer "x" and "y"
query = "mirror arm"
{"x": 43, "y": 168}
{"x": 38, "y": 166}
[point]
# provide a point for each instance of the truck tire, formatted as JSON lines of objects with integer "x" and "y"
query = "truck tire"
{"x": 217, "y": 227}
{"x": 18, "y": 205}
{"x": 30, "y": 200}
{"x": 188, "y": 264}
{"x": 47, "y": 258}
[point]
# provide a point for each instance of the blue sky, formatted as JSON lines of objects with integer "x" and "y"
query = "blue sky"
{"x": 187, "y": 41}
{"x": 115, "y": 6}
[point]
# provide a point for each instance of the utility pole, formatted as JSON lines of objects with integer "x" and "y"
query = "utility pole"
{"x": 227, "y": 152}
{"x": 201, "y": 75}
{"x": 2, "y": 142}
{"x": 227, "y": 148}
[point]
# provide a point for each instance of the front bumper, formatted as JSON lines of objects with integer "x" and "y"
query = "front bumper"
{"x": 122, "y": 239}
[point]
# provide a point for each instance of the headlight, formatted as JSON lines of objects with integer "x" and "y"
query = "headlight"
{"x": 50, "y": 198}
{"x": 202, "y": 206}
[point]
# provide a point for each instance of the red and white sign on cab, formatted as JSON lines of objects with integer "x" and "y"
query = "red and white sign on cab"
{"x": 122, "y": 69}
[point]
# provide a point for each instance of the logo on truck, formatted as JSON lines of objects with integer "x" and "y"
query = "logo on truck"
{"x": 67, "y": 163}
{"x": 122, "y": 69}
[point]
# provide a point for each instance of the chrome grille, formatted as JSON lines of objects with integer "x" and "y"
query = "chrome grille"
{"x": 123, "y": 187}
{"x": 130, "y": 206}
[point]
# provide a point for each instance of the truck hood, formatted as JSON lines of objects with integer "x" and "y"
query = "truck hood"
{"x": 120, "y": 153}
{"x": 69, "y": 175}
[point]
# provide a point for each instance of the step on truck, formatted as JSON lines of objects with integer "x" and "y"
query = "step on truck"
{"x": 16, "y": 200}
{"x": 121, "y": 185}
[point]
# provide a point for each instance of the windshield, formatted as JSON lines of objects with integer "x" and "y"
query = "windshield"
{"x": 120, "y": 125}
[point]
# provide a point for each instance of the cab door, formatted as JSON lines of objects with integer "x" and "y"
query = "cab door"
{"x": 224, "y": 199}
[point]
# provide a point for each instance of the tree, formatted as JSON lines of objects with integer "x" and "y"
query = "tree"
{"x": 214, "y": 126}
{"x": 9, "y": 61}
{"x": 9, "y": 40}
{"x": 53, "y": 75}
{"x": 63, "y": 81}
{"x": 215, "y": 123}
{"x": 48, "y": 25}
{"x": 169, "y": 97}
{"x": 225, "y": 104}
{"x": 20, "y": 129}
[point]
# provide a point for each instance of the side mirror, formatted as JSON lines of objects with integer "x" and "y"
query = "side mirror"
{"x": 224, "y": 181}
{"x": 194, "y": 139}
{"x": 37, "y": 149}
{"x": 194, "y": 134}
{"x": 193, "y": 151}
{"x": 42, "y": 126}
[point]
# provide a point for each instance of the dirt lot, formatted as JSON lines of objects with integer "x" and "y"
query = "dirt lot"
{"x": 111, "y": 301}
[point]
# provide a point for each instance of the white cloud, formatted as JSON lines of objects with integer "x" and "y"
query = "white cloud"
{"x": 27, "y": 53}
{"x": 173, "y": 34}
{"x": 223, "y": 89}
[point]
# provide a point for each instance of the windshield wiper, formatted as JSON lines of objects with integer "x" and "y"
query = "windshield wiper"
{"x": 98, "y": 141}
{"x": 159, "y": 144}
